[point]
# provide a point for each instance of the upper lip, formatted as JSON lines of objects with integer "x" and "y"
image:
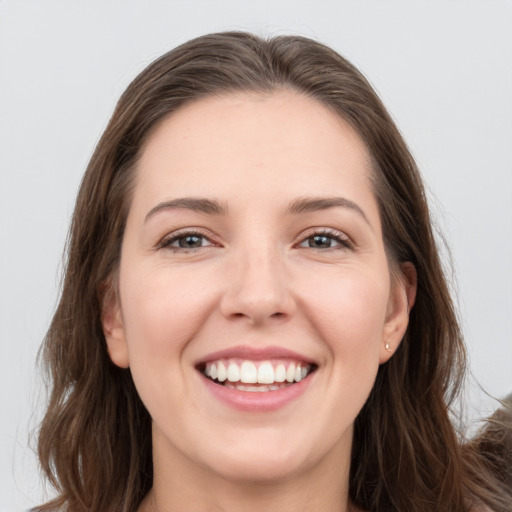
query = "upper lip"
{"x": 255, "y": 354}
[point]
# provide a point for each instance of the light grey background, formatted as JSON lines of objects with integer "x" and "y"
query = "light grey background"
{"x": 443, "y": 68}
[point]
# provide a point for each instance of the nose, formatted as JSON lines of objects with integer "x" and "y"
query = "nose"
{"x": 258, "y": 288}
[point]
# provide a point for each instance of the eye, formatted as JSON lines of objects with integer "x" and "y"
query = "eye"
{"x": 185, "y": 241}
{"x": 326, "y": 240}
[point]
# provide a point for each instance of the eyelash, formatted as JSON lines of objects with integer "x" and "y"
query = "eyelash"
{"x": 342, "y": 239}
{"x": 338, "y": 237}
{"x": 166, "y": 242}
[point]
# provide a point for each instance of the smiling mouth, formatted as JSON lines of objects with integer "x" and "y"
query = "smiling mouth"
{"x": 256, "y": 376}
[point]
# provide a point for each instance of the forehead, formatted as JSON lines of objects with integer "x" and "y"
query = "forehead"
{"x": 249, "y": 143}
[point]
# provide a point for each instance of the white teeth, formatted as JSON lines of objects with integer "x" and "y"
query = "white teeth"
{"x": 233, "y": 373}
{"x": 266, "y": 373}
{"x": 290, "y": 373}
{"x": 221, "y": 373}
{"x": 248, "y": 372}
{"x": 255, "y": 389}
{"x": 280, "y": 373}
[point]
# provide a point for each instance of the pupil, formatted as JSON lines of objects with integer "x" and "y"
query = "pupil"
{"x": 190, "y": 241}
{"x": 321, "y": 241}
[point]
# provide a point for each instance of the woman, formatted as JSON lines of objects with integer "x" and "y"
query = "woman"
{"x": 254, "y": 314}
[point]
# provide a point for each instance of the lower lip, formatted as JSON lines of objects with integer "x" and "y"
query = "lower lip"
{"x": 257, "y": 401}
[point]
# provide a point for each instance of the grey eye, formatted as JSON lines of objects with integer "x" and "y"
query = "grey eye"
{"x": 326, "y": 240}
{"x": 190, "y": 241}
{"x": 185, "y": 241}
{"x": 320, "y": 241}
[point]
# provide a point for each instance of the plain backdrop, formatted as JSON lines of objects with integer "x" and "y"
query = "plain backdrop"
{"x": 443, "y": 68}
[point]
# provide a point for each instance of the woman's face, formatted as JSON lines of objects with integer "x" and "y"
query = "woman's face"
{"x": 253, "y": 252}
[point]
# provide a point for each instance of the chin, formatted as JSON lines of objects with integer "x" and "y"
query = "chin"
{"x": 264, "y": 462}
{"x": 262, "y": 471}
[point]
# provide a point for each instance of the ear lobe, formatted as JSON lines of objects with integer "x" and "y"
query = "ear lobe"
{"x": 113, "y": 327}
{"x": 401, "y": 301}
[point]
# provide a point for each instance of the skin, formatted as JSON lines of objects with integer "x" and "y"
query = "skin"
{"x": 255, "y": 280}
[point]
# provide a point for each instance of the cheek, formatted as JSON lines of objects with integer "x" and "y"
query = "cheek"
{"x": 162, "y": 312}
{"x": 162, "y": 309}
{"x": 349, "y": 310}
{"x": 348, "y": 314}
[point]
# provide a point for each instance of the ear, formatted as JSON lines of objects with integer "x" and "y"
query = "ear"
{"x": 401, "y": 301}
{"x": 113, "y": 326}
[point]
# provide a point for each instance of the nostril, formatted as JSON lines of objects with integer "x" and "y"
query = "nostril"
{"x": 273, "y": 315}
{"x": 256, "y": 305}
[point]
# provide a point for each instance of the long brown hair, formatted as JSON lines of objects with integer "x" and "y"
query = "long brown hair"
{"x": 95, "y": 439}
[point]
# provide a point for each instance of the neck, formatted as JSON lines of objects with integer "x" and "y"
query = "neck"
{"x": 230, "y": 497}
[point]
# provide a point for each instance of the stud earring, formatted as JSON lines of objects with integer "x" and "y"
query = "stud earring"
{"x": 387, "y": 346}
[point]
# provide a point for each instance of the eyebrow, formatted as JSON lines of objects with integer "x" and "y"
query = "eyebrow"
{"x": 196, "y": 204}
{"x": 314, "y": 204}
{"x": 213, "y": 207}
